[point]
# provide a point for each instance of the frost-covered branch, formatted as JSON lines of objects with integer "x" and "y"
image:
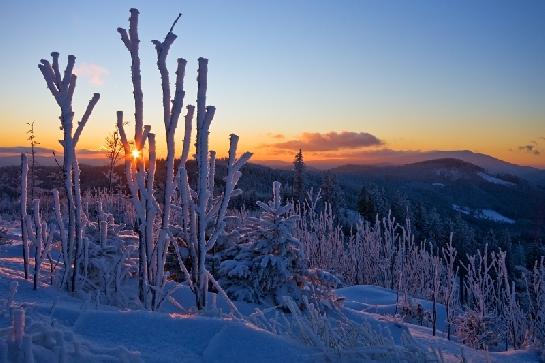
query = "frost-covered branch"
{"x": 62, "y": 89}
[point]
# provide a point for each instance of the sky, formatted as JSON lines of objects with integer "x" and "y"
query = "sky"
{"x": 347, "y": 80}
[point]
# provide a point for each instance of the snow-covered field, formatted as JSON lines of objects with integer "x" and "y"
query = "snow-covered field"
{"x": 179, "y": 334}
{"x": 488, "y": 214}
{"x": 495, "y": 180}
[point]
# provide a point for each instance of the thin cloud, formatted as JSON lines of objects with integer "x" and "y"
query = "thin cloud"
{"x": 23, "y": 149}
{"x": 331, "y": 141}
{"x": 530, "y": 149}
{"x": 93, "y": 72}
{"x": 89, "y": 151}
{"x": 276, "y": 136}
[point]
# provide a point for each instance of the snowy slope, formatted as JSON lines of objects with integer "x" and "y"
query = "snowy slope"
{"x": 171, "y": 336}
{"x": 159, "y": 337}
{"x": 494, "y": 180}
{"x": 373, "y": 302}
{"x": 486, "y": 214}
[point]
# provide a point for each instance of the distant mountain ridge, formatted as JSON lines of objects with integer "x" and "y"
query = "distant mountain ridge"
{"x": 488, "y": 163}
{"x": 452, "y": 186}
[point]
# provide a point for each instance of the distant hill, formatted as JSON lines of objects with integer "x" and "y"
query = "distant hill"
{"x": 492, "y": 164}
{"x": 453, "y": 186}
{"x": 487, "y": 162}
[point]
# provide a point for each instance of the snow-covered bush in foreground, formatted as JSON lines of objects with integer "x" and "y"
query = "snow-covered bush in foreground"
{"x": 534, "y": 282}
{"x": 269, "y": 263}
{"x": 494, "y": 313}
{"x": 339, "y": 338}
{"x": 110, "y": 262}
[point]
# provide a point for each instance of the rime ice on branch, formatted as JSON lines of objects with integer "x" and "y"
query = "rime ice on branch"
{"x": 62, "y": 88}
{"x": 140, "y": 179}
{"x": 202, "y": 214}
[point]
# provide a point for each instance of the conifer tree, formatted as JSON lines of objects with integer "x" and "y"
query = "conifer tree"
{"x": 366, "y": 205}
{"x": 268, "y": 265}
{"x": 299, "y": 179}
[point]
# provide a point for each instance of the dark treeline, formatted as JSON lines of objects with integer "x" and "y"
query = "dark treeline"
{"x": 408, "y": 195}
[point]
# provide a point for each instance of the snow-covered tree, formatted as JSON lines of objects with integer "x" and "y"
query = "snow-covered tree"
{"x": 269, "y": 264}
{"x": 535, "y": 291}
{"x": 62, "y": 88}
{"x": 299, "y": 177}
{"x": 141, "y": 177}
{"x": 201, "y": 214}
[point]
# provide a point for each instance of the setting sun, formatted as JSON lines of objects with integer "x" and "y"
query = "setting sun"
{"x": 135, "y": 154}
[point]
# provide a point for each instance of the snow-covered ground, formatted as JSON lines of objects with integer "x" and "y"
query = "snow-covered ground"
{"x": 488, "y": 214}
{"x": 178, "y": 334}
{"x": 380, "y": 304}
{"x": 495, "y": 180}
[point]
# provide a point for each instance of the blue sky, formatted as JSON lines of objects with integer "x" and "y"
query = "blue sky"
{"x": 419, "y": 75}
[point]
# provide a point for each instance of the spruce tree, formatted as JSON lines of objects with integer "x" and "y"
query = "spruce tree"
{"x": 299, "y": 179}
{"x": 268, "y": 264}
{"x": 366, "y": 205}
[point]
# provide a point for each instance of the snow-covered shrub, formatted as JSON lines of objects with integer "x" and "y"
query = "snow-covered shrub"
{"x": 450, "y": 286}
{"x": 511, "y": 317}
{"x": 492, "y": 310}
{"x": 110, "y": 261}
{"x": 109, "y": 271}
{"x": 117, "y": 204}
{"x": 268, "y": 264}
{"x": 476, "y": 330}
{"x": 40, "y": 234}
{"x": 534, "y": 282}
{"x": 322, "y": 238}
{"x": 340, "y": 338}
{"x": 413, "y": 313}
